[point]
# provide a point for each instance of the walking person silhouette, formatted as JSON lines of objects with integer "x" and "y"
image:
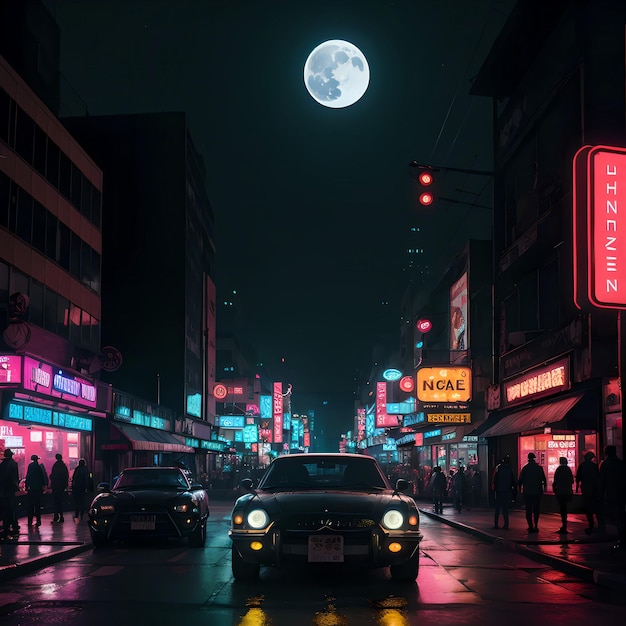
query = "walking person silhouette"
{"x": 562, "y": 486}
{"x": 504, "y": 489}
{"x": 532, "y": 484}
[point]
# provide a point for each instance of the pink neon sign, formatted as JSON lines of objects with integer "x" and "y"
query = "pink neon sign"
{"x": 599, "y": 228}
{"x": 44, "y": 378}
{"x": 607, "y": 232}
{"x": 383, "y": 419}
{"x": 10, "y": 369}
{"x": 278, "y": 412}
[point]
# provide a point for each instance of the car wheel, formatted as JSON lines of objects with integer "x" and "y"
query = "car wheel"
{"x": 198, "y": 538}
{"x": 242, "y": 570}
{"x": 98, "y": 539}
{"x": 406, "y": 572}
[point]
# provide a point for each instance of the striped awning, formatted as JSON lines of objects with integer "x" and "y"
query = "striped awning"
{"x": 144, "y": 438}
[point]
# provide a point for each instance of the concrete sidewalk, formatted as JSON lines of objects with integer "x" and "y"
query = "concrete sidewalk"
{"x": 39, "y": 546}
{"x": 590, "y": 557}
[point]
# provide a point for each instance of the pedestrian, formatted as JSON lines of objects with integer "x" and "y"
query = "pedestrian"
{"x": 458, "y": 489}
{"x": 9, "y": 485}
{"x": 532, "y": 484}
{"x": 59, "y": 479}
{"x": 612, "y": 492}
{"x": 562, "y": 486}
{"x": 438, "y": 489}
{"x": 504, "y": 488}
{"x": 80, "y": 484}
{"x": 36, "y": 482}
{"x": 587, "y": 482}
{"x": 477, "y": 487}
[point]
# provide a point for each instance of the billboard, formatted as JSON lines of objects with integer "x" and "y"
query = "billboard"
{"x": 459, "y": 337}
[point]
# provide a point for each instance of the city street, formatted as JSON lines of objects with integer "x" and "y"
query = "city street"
{"x": 462, "y": 580}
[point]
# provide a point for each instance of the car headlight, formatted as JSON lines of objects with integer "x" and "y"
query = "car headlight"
{"x": 393, "y": 519}
{"x": 257, "y": 518}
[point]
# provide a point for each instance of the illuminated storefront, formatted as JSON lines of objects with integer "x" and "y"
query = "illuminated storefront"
{"x": 547, "y": 415}
{"x": 46, "y": 410}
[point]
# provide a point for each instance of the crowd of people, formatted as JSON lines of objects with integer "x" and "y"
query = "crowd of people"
{"x": 602, "y": 487}
{"x": 37, "y": 483}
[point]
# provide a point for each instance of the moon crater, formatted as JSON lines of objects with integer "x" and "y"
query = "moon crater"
{"x": 336, "y": 74}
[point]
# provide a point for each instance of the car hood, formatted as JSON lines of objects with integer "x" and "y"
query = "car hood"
{"x": 337, "y": 502}
{"x": 147, "y": 496}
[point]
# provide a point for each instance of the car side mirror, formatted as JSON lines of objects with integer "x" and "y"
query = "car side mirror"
{"x": 197, "y": 486}
{"x": 402, "y": 485}
{"x": 247, "y": 484}
{"x": 103, "y": 487}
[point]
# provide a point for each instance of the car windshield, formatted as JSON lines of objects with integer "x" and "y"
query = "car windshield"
{"x": 151, "y": 479}
{"x": 324, "y": 473}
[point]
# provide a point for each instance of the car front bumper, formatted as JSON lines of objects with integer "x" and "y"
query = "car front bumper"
{"x": 371, "y": 547}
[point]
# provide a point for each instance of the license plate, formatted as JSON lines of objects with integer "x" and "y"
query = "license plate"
{"x": 142, "y": 522}
{"x": 326, "y": 549}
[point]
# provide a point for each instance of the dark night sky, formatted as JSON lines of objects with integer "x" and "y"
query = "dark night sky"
{"x": 312, "y": 203}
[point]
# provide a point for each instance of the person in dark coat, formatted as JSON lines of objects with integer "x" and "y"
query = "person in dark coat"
{"x": 587, "y": 482}
{"x": 562, "y": 486}
{"x": 612, "y": 492}
{"x": 477, "y": 487}
{"x": 458, "y": 489}
{"x": 504, "y": 489}
{"x": 532, "y": 484}
{"x": 438, "y": 488}
{"x": 9, "y": 485}
{"x": 59, "y": 479}
{"x": 36, "y": 482}
{"x": 80, "y": 484}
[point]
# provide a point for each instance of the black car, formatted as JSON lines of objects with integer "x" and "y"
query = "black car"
{"x": 325, "y": 508}
{"x": 149, "y": 502}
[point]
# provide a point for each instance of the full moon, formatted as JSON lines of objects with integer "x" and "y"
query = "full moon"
{"x": 336, "y": 74}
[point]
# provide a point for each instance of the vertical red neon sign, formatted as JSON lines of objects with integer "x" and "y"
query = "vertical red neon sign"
{"x": 278, "y": 412}
{"x": 383, "y": 419}
{"x": 607, "y": 232}
{"x": 599, "y": 227}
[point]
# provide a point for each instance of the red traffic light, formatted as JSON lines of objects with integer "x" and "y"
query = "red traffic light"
{"x": 425, "y": 178}
{"x": 426, "y": 198}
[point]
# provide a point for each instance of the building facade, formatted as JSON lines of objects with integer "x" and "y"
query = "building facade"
{"x": 555, "y": 390}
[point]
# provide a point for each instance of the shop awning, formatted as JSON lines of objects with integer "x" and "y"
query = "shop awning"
{"x": 144, "y": 438}
{"x": 576, "y": 412}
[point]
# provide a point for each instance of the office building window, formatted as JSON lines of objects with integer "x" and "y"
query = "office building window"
{"x": 24, "y": 136}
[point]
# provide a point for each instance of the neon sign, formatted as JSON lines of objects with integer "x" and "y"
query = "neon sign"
{"x": 10, "y": 369}
{"x": 599, "y": 227}
{"x": 43, "y": 378}
{"x": 278, "y": 412}
{"x": 538, "y": 382}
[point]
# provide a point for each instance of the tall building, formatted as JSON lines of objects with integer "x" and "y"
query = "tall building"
{"x": 50, "y": 282}
{"x": 159, "y": 304}
{"x": 556, "y": 79}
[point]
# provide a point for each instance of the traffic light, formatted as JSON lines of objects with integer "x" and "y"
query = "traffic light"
{"x": 425, "y": 176}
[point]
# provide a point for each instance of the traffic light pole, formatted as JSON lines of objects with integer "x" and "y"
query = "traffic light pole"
{"x": 436, "y": 168}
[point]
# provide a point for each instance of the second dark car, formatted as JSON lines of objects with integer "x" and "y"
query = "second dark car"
{"x": 149, "y": 502}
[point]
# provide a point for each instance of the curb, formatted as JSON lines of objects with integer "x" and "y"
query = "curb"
{"x": 28, "y": 566}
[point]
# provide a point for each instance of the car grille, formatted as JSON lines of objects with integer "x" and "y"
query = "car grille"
{"x": 319, "y": 523}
